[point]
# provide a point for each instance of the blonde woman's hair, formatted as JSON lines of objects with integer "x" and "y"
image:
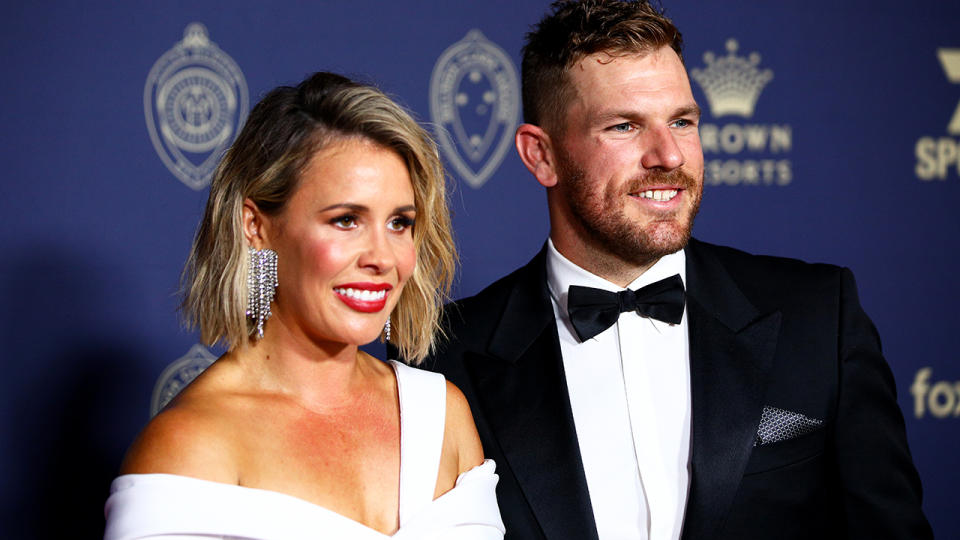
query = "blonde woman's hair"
{"x": 283, "y": 132}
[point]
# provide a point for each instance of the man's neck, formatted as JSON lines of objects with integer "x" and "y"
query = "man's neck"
{"x": 601, "y": 263}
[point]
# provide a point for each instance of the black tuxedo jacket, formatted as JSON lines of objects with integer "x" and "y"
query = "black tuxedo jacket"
{"x": 764, "y": 331}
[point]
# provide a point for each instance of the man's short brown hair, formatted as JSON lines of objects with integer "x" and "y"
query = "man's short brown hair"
{"x": 575, "y": 29}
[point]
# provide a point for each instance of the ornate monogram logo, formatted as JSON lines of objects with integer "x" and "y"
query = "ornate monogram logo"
{"x": 178, "y": 375}
{"x": 195, "y": 101}
{"x": 474, "y": 102}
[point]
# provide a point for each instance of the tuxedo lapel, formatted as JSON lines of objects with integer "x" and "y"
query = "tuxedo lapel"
{"x": 731, "y": 351}
{"x": 523, "y": 393}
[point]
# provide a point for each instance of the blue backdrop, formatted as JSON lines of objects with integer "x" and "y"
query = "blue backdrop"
{"x": 836, "y": 140}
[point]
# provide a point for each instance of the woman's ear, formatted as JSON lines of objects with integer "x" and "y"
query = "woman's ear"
{"x": 534, "y": 146}
{"x": 254, "y": 222}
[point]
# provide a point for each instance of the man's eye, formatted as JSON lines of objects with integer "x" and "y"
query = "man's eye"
{"x": 682, "y": 122}
{"x": 622, "y": 128}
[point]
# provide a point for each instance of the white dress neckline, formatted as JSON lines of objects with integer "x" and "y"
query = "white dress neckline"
{"x": 181, "y": 507}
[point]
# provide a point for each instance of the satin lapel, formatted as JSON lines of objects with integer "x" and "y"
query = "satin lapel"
{"x": 523, "y": 392}
{"x": 732, "y": 345}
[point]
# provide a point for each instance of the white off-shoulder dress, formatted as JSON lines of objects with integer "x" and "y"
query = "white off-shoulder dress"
{"x": 166, "y": 506}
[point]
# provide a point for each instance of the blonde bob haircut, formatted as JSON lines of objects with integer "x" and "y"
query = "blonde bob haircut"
{"x": 283, "y": 132}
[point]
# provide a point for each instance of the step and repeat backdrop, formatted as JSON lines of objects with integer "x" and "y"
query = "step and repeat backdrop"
{"x": 831, "y": 133}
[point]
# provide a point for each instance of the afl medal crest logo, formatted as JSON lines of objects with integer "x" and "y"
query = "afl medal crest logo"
{"x": 474, "y": 102}
{"x": 178, "y": 375}
{"x": 195, "y": 101}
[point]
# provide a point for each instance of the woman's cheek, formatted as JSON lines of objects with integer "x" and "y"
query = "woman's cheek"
{"x": 409, "y": 263}
{"x": 328, "y": 256}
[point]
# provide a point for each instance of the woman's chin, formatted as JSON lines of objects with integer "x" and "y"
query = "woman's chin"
{"x": 362, "y": 337}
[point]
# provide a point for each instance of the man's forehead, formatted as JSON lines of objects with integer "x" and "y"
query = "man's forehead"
{"x": 655, "y": 75}
{"x": 664, "y": 58}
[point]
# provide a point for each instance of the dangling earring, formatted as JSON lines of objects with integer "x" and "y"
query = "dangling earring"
{"x": 386, "y": 330}
{"x": 261, "y": 285}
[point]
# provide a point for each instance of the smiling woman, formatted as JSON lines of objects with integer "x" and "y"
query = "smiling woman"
{"x": 326, "y": 219}
{"x": 277, "y": 152}
{"x": 346, "y": 239}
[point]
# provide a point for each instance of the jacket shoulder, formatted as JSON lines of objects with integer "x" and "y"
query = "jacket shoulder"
{"x": 770, "y": 280}
{"x": 492, "y": 299}
{"x": 740, "y": 262}
{"x": 471, "y": 322}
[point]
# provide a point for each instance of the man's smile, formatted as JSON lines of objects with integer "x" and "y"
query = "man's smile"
{"x": 657, "y": 194}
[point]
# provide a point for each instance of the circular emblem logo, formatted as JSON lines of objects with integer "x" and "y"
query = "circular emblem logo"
{"x": 195, "y": 101}
{"x": 178, "y": 375}
{"x": 474, "y": 102}
{"x": 196, "y": 109}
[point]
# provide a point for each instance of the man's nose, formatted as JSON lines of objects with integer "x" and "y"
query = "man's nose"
{"x": 661, "y": 150}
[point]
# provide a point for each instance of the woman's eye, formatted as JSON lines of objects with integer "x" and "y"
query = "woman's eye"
{"x": 400, "y": 223}
{"x": 345, "y": 222}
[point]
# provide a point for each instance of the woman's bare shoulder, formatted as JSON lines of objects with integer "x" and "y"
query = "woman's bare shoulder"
{"x": 193, "y": 436}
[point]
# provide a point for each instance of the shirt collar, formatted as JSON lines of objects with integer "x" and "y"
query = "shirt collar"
{"x": 562, "y": 273}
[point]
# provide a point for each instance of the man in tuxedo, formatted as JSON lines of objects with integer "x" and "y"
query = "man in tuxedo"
{"x": 631, "y": 382}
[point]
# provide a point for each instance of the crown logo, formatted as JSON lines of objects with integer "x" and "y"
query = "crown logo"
{"x": 732, "y": 83}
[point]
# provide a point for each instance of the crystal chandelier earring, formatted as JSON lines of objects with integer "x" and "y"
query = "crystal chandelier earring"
{"x": 261, "y": 286}
{"x": 386, "y": 330}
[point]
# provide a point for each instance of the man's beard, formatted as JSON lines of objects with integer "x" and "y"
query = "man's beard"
{"x": 603, "y": 218}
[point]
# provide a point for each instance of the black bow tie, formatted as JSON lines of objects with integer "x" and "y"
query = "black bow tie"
{"x": 594, "y": 310}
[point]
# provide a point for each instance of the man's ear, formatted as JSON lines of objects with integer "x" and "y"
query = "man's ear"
{"x": 536, "y": 152}
{"x": 254, "y": 224}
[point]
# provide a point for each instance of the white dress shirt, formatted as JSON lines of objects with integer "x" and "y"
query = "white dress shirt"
{"x": 630, "y": 395}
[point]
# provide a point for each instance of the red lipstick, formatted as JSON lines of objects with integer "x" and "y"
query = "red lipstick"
{"x": 363, "y": 297}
